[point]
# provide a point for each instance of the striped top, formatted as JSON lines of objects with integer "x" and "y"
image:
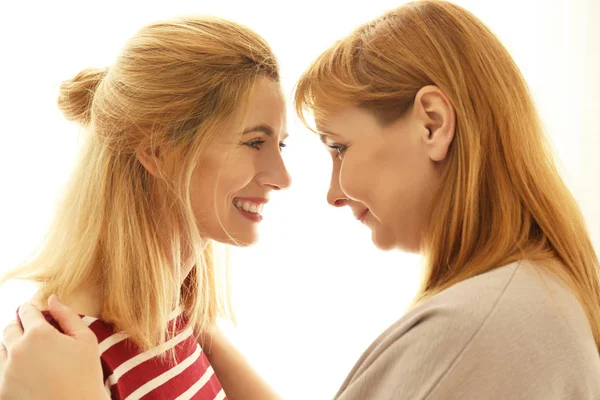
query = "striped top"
{"x": 131, "y": 374}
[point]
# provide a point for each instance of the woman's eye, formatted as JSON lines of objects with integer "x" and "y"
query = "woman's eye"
{"x": 339, "y": 148}
{"x": 282, "y": 146}
{"x": 255, "y": 144}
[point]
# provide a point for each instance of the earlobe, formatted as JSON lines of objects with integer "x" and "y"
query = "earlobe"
{"x": 438, "y": 119}
{"x": 151, "y": 160}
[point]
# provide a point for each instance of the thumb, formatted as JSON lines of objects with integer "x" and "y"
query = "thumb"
{"x": 70, "y": 323}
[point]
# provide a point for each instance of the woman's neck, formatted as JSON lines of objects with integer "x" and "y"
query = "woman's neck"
{"x": 84, "y": 301}
{"x": 88, "y": 299}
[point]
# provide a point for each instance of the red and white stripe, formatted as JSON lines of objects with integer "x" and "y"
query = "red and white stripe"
{"x": 131, "y": 374}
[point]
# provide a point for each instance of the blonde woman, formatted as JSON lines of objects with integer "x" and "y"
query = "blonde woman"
{"x": 428, "y": 100}
{"x": 184, "y": 138}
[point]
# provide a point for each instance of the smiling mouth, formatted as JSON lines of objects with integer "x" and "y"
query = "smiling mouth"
{"x": 248, "y": 206}
{"x": 249, "y": 209}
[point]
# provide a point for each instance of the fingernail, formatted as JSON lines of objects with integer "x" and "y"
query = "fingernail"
{"x": 54, "y": 298}
{"x": 24, "y": 306}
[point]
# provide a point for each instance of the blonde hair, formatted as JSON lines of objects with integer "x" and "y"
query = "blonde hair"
{"x": 501, "y": 198}
{"x": 176, "y": 85}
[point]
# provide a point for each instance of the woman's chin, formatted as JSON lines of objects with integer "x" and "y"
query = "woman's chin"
{"x": 239, "y": 238}
{"x": 386, "y": 240}
{"x": 244, "y": 239}
{"x": 383, "y": 243}
{"x": 383, "y": 238}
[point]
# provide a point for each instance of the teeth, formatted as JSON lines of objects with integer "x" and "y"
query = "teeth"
{"x": 248, "y": 207}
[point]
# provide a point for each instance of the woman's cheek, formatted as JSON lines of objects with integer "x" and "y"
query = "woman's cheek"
{"x": 352, "y": 179}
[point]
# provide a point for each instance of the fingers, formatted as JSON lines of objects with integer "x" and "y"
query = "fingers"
{"x": 3, "y": 356}
{"x": 69, "y": 321}
{"x": 31, "y": 316}
{"x": 12, "y": 333}
{"x": 3, "y": 359}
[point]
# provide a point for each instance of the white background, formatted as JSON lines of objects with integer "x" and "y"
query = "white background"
{"x": 315, "y": 292}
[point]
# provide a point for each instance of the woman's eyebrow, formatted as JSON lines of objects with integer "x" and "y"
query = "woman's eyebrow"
{"x": 325, "y": 135}
{"x": 264, "y": 128}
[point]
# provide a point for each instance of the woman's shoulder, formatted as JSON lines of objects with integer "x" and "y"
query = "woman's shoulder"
{"x": 458, "y": 312}
{"x": 444, "y": 323}
{"x": 517, "y": 304}
{"x": 529, "y": 331}
{"x": 503, "y": 325}
{"x": 524, "y": 295}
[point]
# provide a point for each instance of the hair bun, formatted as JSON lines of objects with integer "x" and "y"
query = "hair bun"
{"x": 77, "y": 94}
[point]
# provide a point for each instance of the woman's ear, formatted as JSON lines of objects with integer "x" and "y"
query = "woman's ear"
{"x": 151, "y": 159}
{"x": 436, "y": 114}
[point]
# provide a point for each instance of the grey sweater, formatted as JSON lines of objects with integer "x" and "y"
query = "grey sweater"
{"x": 515, "y": 332}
